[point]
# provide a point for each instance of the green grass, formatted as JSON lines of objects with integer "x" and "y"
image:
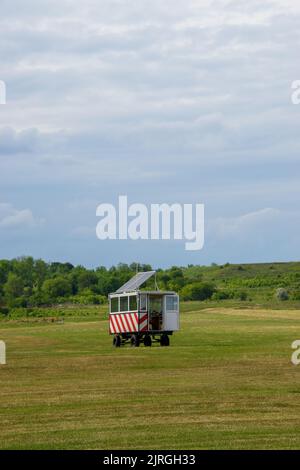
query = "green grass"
{"x": 226, "y": 382}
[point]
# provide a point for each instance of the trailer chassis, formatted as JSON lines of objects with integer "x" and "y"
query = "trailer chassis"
{"x": 147, "y": 338}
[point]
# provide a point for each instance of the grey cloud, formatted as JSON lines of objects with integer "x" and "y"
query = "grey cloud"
{"x": 169, "y": 100}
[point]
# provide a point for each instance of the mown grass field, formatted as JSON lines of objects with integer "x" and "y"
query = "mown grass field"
{"x": 226, "y": 382}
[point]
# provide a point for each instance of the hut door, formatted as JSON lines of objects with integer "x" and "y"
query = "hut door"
{"x": 171, "y": 322}
{"x": 155, "y": 312}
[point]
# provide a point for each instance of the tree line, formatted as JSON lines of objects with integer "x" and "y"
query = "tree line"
{"x": 27, "y": 282}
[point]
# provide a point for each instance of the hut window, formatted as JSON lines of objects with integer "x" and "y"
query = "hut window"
{"x": 124, "y": 304}
{"x": 172, "y": 303}
{"x": 143, "y": 303}
{"x": 132, "y": 302}
{"x": 114, "y": 304}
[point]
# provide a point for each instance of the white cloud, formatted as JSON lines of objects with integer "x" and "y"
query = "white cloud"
{"x": 245, "y": 223}
{"x": 246, "y": 226}
{"x": 11, "y": 218}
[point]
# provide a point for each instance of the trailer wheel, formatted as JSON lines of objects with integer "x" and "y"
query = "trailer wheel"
{"x": 135, "y": 341}
{"x": 148, "y": 341}
{"x": 117, "y": 341}
{"x": 164, "y": 340}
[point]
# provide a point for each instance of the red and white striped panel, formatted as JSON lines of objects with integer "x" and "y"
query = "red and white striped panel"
{"x": 128, "y": 322}
{"x": 124, "y": 323}
{"x": 143, "y": 321}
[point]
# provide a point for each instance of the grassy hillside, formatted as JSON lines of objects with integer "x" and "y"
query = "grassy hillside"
{"x": 226, "y": 381}
{"x": 258, "y": 281}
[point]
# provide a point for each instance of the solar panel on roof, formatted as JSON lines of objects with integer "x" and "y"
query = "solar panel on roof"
{"x": 135, "y": 282}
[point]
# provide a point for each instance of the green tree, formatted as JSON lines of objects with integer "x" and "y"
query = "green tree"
{"x": 87, "y": 279}
{"x": 40, "y": 273}
{"x": 24, "y": 268}
{"x": 14, "y": 291}
{"x": 57, "y": 287}
{"x": 14, "y": 286}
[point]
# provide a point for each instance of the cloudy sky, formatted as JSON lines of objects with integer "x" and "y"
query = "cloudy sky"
{"x": 163, "y": 101}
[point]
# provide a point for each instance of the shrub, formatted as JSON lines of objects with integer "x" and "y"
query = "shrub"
{"x": 4, "y": 311}
{"x": 221, "y": 295}
{"x": 243, "y": 295}
{"x": 18, "y": 312}
{"x": 17, "y": 302}
{"x": 39, "y": 298}
{"x": 281, "y": 294}
{"x": 296, "y": 295}
{"x": 198, "y": 291}
{"x": 88, "y": 299}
